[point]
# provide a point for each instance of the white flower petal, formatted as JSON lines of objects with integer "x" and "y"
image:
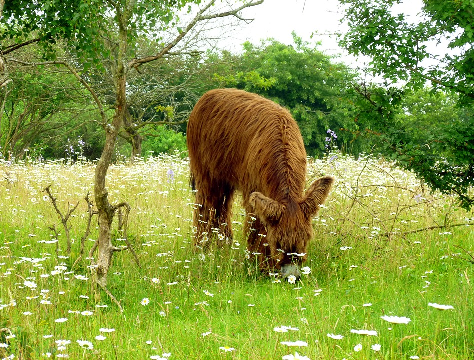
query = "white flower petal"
{"x": 441, "y": 307}
{"x": 396, "y": 319}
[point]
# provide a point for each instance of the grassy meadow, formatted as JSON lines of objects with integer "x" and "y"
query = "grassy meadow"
{"x": 391, "y": 272}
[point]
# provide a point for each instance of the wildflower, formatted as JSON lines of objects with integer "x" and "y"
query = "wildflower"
{"x": 85, "y": 344}
{"x": 364, "y": 332}
{"x": 170, "y": 175}
{"x": 155, "y": 281}
{"x": 100, "y": 337}
{"x": 292, "y": 279}
{"x": 335, "y": 337}
{"x": 295, "y": 357}
{"x": 30, "y": 284}
{"x": 208, "y": 293}
{"x": 414, "y": 357}
{"x": 366, "y": 305}
{"x": 441, "y": 307}
{"x": 63, "y": 342}
{"x": 3, "y": 345}
{"x": 27, "y": 313}
{"x": 60, "y": 320}
{"x": 358, "y": 347}
{"x": 162, "y": 313}
{"x": 294, "y": 343}
{"x": 396, "y": 319}
{"x": 226, "y": 348}
{"x": 87, "y": 313}
{"x": 206, "y": 334}
{"x": 145, "y": 301}
{"x": 105, "y": 330}
{"x": 306, "y": 270}
{"x": 376, "y": 347}
{"x": 284, "y": 328}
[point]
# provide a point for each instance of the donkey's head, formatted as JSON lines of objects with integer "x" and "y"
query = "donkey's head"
{"x": 288, "y": 226}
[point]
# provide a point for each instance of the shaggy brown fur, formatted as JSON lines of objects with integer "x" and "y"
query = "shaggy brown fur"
{"x": 241, "y": 141}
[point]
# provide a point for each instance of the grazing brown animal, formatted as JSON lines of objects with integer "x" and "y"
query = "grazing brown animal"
{"x": 242, "y": 141}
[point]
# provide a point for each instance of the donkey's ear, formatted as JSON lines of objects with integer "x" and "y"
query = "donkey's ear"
{"x": 266, "y": 209}
{"x": 315, "y": 195}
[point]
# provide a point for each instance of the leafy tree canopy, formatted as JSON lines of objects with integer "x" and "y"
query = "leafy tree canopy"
{"x": 299, "y": 77}
{"x": 437, "y": 143}
{"x": 49, "y": 21}
{"x": 402, "y": 48}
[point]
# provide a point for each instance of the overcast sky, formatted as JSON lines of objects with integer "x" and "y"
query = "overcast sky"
{"x": 278, "y": 18}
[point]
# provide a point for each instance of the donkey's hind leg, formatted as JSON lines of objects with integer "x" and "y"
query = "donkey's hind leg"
{"x": 212, "y": 214}
{"x": 224, "y": 215}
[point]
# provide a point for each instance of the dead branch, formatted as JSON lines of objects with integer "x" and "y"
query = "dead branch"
{"x": 467, "y": 252}
{"x": 111, "y": 296}
{"x": 64, "y": 218}
{"x": 90, "y": 214}
{"x": 434, "y": 227}
{"x": 123, "y": 225}
{"x": 56, "y": 235}
{"x": 398, "y": 187}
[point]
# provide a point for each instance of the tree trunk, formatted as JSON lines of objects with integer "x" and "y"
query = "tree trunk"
{"x": 133, "y": 137}
{"x": 105, "y": 210}
{"x": 136, "y": 146}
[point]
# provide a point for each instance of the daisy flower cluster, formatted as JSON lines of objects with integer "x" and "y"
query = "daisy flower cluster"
{"x": 217, "y": 302}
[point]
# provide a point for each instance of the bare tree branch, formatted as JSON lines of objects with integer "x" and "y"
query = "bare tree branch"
{"x": 11, "y": 48}
{"x": 90, "y": 213}
{"x": 234, "y": 12}
{"x": 199, "y": 17}
{"x": 64, "y": 218}
{"x": 77, "y": 76}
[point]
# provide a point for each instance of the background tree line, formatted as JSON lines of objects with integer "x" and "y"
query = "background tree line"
{"x": 48, "y": 114}
{"x": 420, "y": 115}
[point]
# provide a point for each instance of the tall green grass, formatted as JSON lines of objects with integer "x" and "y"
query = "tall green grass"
{"x": 383, "y": 246}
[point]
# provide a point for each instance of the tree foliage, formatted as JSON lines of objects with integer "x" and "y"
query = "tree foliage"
{"x": 300, "y": 77}
{"x": 437, "y": 145}
{"x": 102, "y": 36}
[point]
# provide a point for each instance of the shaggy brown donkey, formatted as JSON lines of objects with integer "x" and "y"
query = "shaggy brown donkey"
{"x": 241, "y": 141}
